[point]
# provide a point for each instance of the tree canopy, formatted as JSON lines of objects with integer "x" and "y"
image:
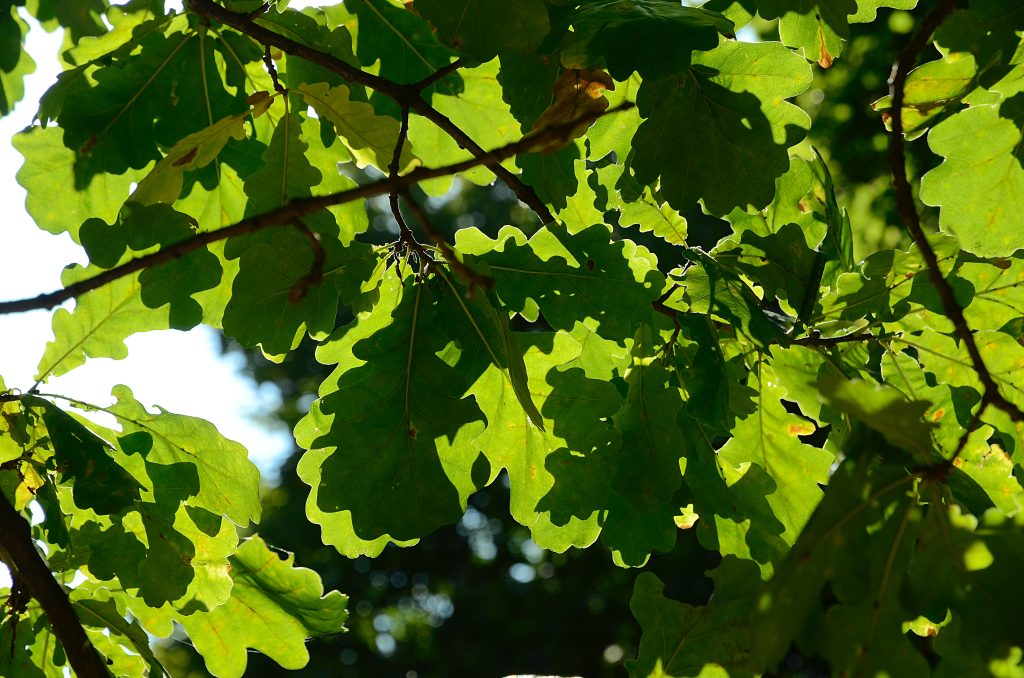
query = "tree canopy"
{"x": 747, "y": 299}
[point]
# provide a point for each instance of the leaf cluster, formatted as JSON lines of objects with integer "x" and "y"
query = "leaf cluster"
{"x": 844, "y": 434}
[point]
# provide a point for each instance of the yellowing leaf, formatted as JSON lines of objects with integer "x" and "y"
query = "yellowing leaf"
{"x": 369, "y": 137}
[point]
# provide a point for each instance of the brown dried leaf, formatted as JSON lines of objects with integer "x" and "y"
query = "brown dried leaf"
{"x": 576, "y": 95}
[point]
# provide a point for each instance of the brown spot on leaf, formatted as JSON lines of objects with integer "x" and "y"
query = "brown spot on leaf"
{"x": 801, "y": 429}
{"x": 187, "y": 158}
{"x": 590, "y": 264}
{"x": 1002, "y": 263}
{"x": 939, "y": 413}
{"x": 89, "y": 143}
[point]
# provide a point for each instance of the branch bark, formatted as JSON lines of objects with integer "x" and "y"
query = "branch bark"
{"x": 405, "y": 95}
{"x": 296, "y": 210}
{"x": 908, "y": 210}
{"x": 19, "y": 552}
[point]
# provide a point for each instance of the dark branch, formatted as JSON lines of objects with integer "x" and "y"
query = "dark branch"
{"x": 295, "y": 210}
{"x": 19, "y": 552}
{"x": 439, "y": 74}
{"x": 407, "y": 242}
{"x": 268, "y": 62}
{"x": 406, "y": 95}
{"x": 908, "y": 210}
{"x": 826, "y": 342}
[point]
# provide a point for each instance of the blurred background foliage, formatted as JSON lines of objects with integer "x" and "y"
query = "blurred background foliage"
{"x": 480, "y": 598}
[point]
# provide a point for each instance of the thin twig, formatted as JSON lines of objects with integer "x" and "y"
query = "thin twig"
{"x": 268, "y": 62}
{"x": 827, "y": 342}
{"x": 407, "y": 241}
{"x": 468, "y": 275}
{"x": 439, "y": 74}
{"x": 908, "y": 210}
{"x": 19, "y": 552}
{"x": 407, "y": 95}
{"x": 296, "y": 209}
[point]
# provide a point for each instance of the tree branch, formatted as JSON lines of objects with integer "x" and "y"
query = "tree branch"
{"x": 297, "y": 209}
{"x": 908, "y": 210}
{"x": 405, "y": 95}
{"x": 817, "y": 340}
{"x": 406, "y": 239}
{"x": 19, "y": 552}
{"x": 439, "y": 74}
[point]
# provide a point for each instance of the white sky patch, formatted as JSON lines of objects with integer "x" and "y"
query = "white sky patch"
{"x": 183, "y": 372}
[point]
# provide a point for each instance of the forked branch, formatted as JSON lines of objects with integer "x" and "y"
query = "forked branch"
{"x": 296, "y": 210}
{"x": 405, "y": 95}
{"x": 908, "y": 210}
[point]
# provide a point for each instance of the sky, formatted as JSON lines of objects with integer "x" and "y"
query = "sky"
{"x": 183, "y": 372}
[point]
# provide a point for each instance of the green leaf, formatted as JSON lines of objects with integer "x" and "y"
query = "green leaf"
{"x": 162, "y": 551}
{"x": 711, "y": 289}
{"x": 770, "y": 438}
{"x": 316, "y": 28}
{"x": 583, "y": 277}
{"x": 51, "y": 169}
{"x": 933, "y": 90}
{"x": 650, "y": 462}
{"x": 15, "y": 63}
{"x": 862, "y": 513}
{"x": 290, "y": 281}
{"x": 781, "y": 262}
{"x": 226, "y": 482}
{"x": 888, "y": 286}
{"x": 274, "y": 608}
{"x": 886, "y": 410}
{"x": 401, "y": 416}
{"x": 139, "y": 100}
{"x": 690, "y": 640}
{"x": 728, "y": 108}
{"x": 479, "y": 327}
{"x": 100, "y": 323}
{"x": 655, "y": 38}
{"x": 652, "y": 215}
{"x": 951, "y": 364}
{"x": 484, "y": 28}
{"x": 981, "y": 147}
{"x": 84, "y": 462}
{"x": 112, "y": 633}
{"x": 998, "y": 296}
{"x": 369, "y": 137}
{"x": 819, "y": 28}
{"x": 286, "y": 173}
{"x": 478, "y": 110}
{"x": 274, "y": 300}
{"x": 545, "y": 495}
{"x": 140, "y": 229}
{"x": 403, "y": 44}
{"x": 580, "y": 212}
{"x": 164, "y": 181}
